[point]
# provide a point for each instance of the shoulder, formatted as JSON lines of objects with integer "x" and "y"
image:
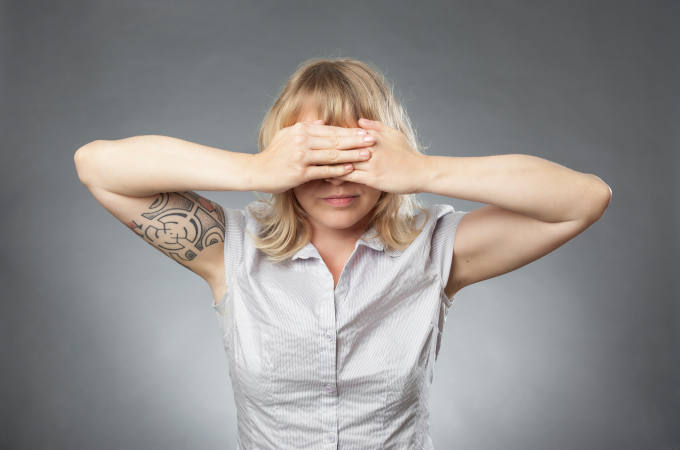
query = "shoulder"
{"x": 441, "y": 232}
{"x": 437, "y": 219}
{"x": 431, "y": 221}
{"x": 235, "y": 220}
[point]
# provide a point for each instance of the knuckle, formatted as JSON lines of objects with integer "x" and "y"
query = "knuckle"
{"x": 299, "y": 155}
{"x": 296, "y": 170}
{"x": 334, "y": 155}
{"x": 299, "y": 138}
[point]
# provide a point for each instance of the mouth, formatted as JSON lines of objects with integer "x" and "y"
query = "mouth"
{"x": 340, "y": 196}
{"x": 340, "y": 200}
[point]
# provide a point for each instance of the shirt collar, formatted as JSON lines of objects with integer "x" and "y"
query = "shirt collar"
{"x": 309, "y": 251}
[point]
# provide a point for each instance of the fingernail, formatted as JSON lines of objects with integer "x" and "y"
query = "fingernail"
{"x": 364, "y": 153}
{"x": 368, "y": 138}
{"x": 361, "y": 131}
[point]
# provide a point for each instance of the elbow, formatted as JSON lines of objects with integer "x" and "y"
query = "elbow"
{"x": 83, "y": 159}
{"x": 601, "y": 197}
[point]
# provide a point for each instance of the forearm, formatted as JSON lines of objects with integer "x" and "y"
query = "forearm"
{"x": 522, "y": 183}
{"x": 139, "y": 166}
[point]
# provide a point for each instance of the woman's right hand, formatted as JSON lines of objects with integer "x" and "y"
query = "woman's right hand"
{"x": 308, "y": 151}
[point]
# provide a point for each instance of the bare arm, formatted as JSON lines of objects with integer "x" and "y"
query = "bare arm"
{"x": 144, "y": 182}
{"x": 534, "y": 206}
{"x": 140, "y": 166}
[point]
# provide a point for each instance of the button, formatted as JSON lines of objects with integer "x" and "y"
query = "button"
{"x": 329, "y": 335}
{"x": 329, "y": 387}
{"x": 330, "y": 438}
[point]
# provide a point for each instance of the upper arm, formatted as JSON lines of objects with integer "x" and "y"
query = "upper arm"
{"x": 491, "y": 241}
{"x": 184, "y": 226}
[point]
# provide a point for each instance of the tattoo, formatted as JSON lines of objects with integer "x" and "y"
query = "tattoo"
{"x": 181, "y": 224}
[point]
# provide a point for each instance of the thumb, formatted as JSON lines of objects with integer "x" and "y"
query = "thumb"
{"x": 370, "y": 124}
{"x": 353, "y": 176}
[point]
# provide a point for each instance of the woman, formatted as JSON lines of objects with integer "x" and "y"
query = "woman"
{"x": 332, "y": 310}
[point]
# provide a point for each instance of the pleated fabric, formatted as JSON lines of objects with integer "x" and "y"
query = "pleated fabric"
{"x": 350, "y": 367}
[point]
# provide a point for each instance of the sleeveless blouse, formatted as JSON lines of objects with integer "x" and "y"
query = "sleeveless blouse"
{"x": 350, "y": 367}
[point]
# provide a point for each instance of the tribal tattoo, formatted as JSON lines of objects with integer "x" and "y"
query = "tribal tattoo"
{"x": 181, "y": 224}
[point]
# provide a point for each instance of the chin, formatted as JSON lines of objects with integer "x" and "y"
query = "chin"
{"x": 339, "y": 218}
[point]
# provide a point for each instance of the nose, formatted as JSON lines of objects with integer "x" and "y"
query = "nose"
{"x": 334, "y": 181}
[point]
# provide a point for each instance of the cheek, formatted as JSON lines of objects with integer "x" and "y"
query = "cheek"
{"x": 304, "y": 196}
{"x": 375, "y": 195}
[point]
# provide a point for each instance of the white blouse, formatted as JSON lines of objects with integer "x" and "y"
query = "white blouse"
{"x": 313, "y": 367}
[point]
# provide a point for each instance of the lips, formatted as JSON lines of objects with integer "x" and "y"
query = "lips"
{"x": 340, "y": 196}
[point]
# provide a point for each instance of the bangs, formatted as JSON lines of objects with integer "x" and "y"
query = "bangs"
{"x": 332, "y": 98}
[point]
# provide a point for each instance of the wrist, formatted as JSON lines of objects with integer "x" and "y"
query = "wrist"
{"x": 424, "y": 174}
{"x": 237, "y": 171}
{"x": 251, "y": 169}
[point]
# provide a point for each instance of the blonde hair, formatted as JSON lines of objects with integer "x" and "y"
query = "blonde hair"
{"x": 340, "y": 90}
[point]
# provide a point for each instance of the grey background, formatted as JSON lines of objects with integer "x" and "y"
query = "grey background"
{"x": 108, "y": 344}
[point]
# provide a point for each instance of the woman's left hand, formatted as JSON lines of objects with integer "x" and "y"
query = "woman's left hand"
{"x": 394, "y": 165}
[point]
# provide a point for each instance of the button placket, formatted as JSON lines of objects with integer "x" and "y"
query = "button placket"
{"x": 328, "y": 373}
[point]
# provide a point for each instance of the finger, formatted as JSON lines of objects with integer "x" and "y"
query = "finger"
{"x": 329, "y": 171}
{"x": 356, "y": 176}
{"x": 339, "y": 142}
{"x": 370, "y": 124}
{"x": 315, "y": 129}
{"x": 322, "y": 157}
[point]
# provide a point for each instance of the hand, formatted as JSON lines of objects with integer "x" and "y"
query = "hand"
{"x": 291, "y": 158}
{"x": 394, "y": 166}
